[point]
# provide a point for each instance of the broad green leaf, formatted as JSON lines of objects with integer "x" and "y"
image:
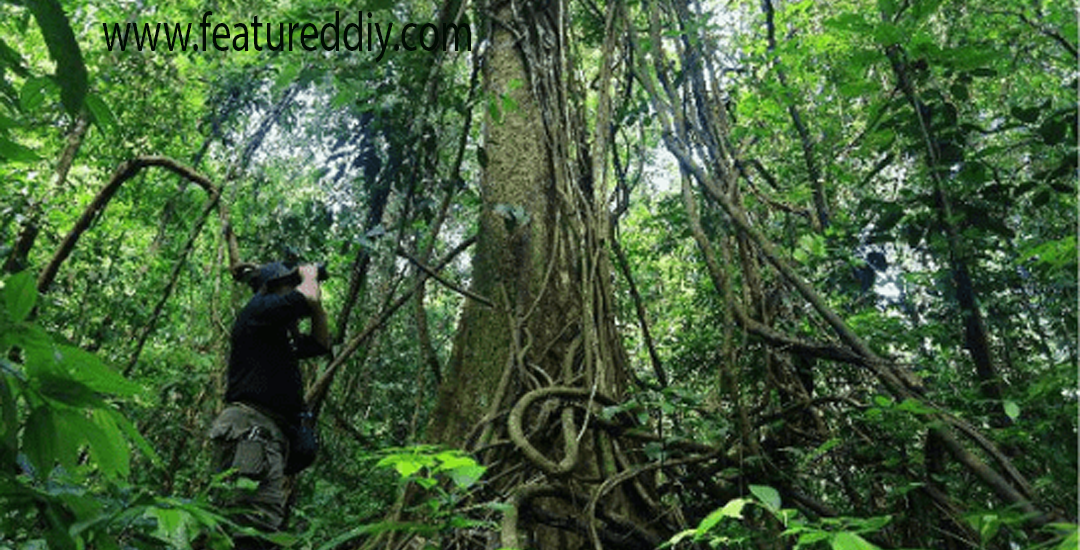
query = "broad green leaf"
{"x": 679, "y": 537}
{"x": 40, "y": 441}
{"x": 20, "y": 295}
{"x": 137, "y": 439}
{"x": 733, "y": 509}
{"x": 99, "y": 110}
{"x": 173, "y": 526}
{"x": 108, "y": 446}
{"x": 90, "y": 370}
{"x": 34, "y": 92}
{"x": 16, "y": 153}
{"x": 61, "y": 390}
{"x": 1070, "y": 540}
{"x": 73, "y": 430}
{"x": 810, "y": 537}
{"x": 466, "y": 476}
{"x": 1012, "y": 410}
{"x": 822, "y": 449}
{"x": 850, "y": 541}
{"x": 63, "y": 48}
{"x": 767, "y": 495}
{"x": 406, "y": 465}
{"x": 449, "y": 460}
{"x": 11, "y": 59}
{"x": 246, "y": 484}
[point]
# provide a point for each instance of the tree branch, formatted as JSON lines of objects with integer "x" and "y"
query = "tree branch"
{"x": 124, "y": 172}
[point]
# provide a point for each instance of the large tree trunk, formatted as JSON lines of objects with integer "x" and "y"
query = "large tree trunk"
{"x": 513, "y": 250}
{"x": 533, "y": 370}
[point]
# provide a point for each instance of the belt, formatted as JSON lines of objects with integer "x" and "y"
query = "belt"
{"x": 274, "y": 417}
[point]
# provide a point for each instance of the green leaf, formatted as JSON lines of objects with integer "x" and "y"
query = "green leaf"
{"x": 733, "y": 509}
{"x": 70, "y": 70}
{"x": 405, "y": 464}
{"x": 1012, "y": 410}
{"x": 174, "y": 526}
{"x": 40, "y": 440}
{"x": 34, "y": 92}
{"x": 767, "y": 495}
{"x": 103, "y": 116}
{"x": 61, "y": 390}
{"x": 16, "y": 153}
{"x": 87, "y": 368}
{"x": 73, "y": 430}
{"x": 107, "y": 445}
{"x": 914, "y": 406}
{"x": 494, "y": 112}
{"x": 287, "y": 72}
{"x": 20, "y": 295}
{"x": 467, "y": 475}
{"x": 852, "y": 22}
{"x": 246, "y": 484}
{"x": 1071, "y": 536}
{"x": 137, "y": 439}
{"x": 509, "y": 104}
{"x": 449, "y": 460}
{"x": 810, "y": 537}
{"x": 850, "y": 541}
{"x": 11, "y": 59}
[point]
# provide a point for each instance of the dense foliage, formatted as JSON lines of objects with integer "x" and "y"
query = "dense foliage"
{"x": 843, "y": 247}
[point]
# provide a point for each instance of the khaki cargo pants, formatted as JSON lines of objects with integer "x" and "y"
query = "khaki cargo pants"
{"x": 251, "y": 443}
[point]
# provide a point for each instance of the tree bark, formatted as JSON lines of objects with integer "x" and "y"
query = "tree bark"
{"x": 535, "y": 369}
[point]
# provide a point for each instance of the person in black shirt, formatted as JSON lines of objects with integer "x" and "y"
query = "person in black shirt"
{"x": 264, "y": 392}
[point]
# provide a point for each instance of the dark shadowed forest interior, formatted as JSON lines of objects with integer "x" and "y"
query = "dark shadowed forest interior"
{"x": 603, "y": 274}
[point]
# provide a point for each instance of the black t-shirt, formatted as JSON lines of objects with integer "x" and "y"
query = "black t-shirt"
{"x": 264, "y": 368}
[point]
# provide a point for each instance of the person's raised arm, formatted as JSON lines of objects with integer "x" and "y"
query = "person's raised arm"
{"x": 309, "y": 287}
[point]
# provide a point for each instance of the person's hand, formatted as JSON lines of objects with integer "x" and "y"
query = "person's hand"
{"x": 309, "y": 284}
{"x": 309, "y": 287}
